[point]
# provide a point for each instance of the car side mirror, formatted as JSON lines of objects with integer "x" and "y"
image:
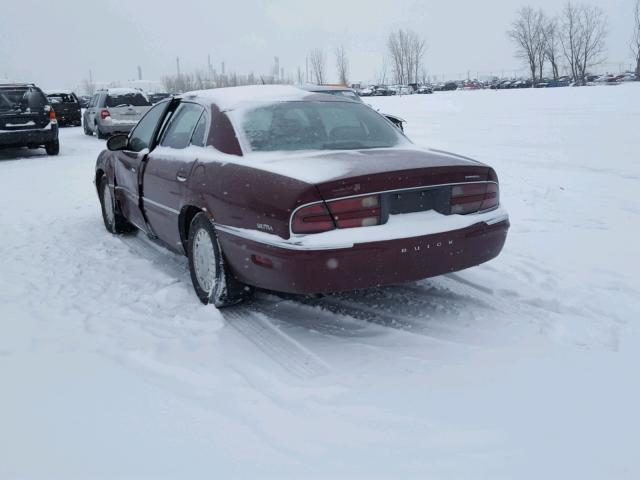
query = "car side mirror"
{"x": 118, "y": 142}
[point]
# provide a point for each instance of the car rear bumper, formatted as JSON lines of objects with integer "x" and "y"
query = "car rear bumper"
{"x": 111, "y": 128}
{"x": 69, "y": 117}
{"x": 26, "y": 138}
{"x": 364, "y": 265}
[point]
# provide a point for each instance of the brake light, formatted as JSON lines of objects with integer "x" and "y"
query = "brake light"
{"x": 312, "y": 219}
{"x": 52, "y": 115}
{"x": 104, "y": 114}
{"x": 473, "y": 197}
{"x": 356, "y": 212}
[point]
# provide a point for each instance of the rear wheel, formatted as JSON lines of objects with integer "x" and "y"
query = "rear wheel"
{"x": 87, "y": 131}
{"x": 53, "y": 148}
{"x": 114, "y": 221}
{"x": 99, "y": 134}
{"x": 212, "y": 279}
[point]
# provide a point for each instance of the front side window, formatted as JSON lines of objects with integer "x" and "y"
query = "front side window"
{"x": 198, "y": 138}
{"x": 316, "y": 126}
{"x": 181, "y": 128}
{"x": 141, "y": 136}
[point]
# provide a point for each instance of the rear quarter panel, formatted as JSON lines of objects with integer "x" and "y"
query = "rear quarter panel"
{"x": 243, "y": 197}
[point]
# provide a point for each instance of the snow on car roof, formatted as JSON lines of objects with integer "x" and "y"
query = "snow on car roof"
{"x": 124, "y": 91}
{"x": 58, "y": 92}
{"x": 233, "y": 97}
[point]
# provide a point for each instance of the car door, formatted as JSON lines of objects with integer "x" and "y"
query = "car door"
{"x": 129, "y": 165}
{"x": 168, "y": 168}
{"x": 91, "y": 111}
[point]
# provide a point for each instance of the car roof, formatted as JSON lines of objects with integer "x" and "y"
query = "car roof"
{"x": 230, "y": 98}
{"x": 325, "y": 88}
{"x": 17, "y": 85}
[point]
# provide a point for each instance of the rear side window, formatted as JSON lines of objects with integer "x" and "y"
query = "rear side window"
{"x": 126, "y": 100}
{"x": 182, "y": 126}
{"x": 21, "y": 99}
{"x": 61, "y": 98}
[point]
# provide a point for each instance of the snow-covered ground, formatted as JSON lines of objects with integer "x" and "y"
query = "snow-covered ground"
{"x": 524, "y": 368}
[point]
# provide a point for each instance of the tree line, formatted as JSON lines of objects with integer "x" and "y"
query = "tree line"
{"x": 575, "y": 37}
{"x": 405, "y": 51}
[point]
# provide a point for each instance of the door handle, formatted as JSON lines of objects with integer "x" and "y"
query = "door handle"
{"x": 133, "y": 169}
{"x": 181, "y": 177}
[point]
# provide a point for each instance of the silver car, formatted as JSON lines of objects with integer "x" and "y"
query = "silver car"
{"x": 114, "y": 110}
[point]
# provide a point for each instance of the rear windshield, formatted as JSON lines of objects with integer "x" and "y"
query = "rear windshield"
{"x": 317, "y": 126}
{"x": 21, "y": 99}
{"x": 127, "y": 99}
{"x": 343, "y": 93}
{"x": 61, "y": 98}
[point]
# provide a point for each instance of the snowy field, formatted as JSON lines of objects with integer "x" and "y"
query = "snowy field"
{"x": 523, "y": 368}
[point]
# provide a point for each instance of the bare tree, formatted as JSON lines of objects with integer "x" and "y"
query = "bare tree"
{"x": 635, "y": 40}
{"x": 318, "y": 65}
{"x": 527, "y": 32}
{"x": 406, "y": 50}
{"x": 88, "y": 86}
{"x": 584, "y": 32}
{"x": 552, "y": 45}
{"x": 540, "y": 47}
{"x": 342, "y": 64}
{"x": 300, "y": 76}
{"x": 381, "y": 76}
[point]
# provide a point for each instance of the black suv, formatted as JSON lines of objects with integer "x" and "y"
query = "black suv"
{"x": 27, "y": 118}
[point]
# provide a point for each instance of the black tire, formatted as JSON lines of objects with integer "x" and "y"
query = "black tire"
{"x": 87, "y": 131}
{"x": 53, "y": 148}
{"x": 224, "y": 289}
{"x": 113, "y": 220}
{"x": 99, "y": 134}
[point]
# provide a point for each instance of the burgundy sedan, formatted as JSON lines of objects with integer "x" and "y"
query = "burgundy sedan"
{"x": 293, "y": 191}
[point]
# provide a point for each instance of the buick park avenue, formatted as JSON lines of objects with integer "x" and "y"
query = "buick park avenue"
{"x": 278, "y": 188}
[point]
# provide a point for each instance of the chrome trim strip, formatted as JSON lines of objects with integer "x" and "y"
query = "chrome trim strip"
{"x": 127, "y": 192}
{"x": 246, "y": 234}
{"x": 499, "y": 219}
{"x": 412, "y": 189}
{"x": 147, "y": 200}
{"x": 159, "y": 205}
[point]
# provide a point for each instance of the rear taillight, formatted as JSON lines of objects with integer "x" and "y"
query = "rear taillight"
{"x": 356, "y": 212}
{"x": 52, "y": 115}
{"x": 348, "y": 213}
{"x": 473, "y": 197}
{"x": 312, "y": 219}
{"x": 104, "y": 114}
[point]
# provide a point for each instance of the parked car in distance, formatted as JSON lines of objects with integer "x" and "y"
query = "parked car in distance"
{"x": 27, "y": 118}
{"x": 114, "y": 110}
{"x": 351, "y": 95}
{"x": 449, "y": 86}
{"x": 157, "y": 97}
{"x": 560, "y": 82}
{"x": 292, "y": 191}
{"x": 84, "y": 100}
{"x": 67, "y": 107}
{"x": 424, "y": 90}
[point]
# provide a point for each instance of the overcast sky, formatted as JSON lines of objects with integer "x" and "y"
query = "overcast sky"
{"x": 55, "y": 43}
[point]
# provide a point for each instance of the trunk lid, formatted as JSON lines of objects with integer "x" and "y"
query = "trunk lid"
{"x": 373, "y": 171}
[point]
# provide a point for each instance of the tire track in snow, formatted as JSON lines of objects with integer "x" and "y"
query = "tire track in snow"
{"x": 282, "y": 348}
